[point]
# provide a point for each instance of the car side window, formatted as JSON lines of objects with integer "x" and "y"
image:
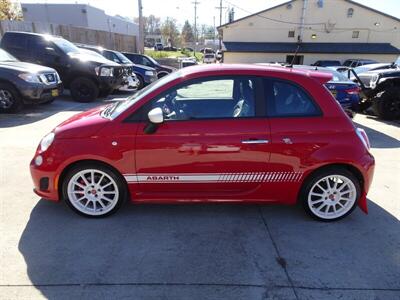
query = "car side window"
{"x": 209, "y": 99}
{"x": 285, "y": 99}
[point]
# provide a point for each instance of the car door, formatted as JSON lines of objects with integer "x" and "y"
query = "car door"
{"x": 297, "y": 131}
{"x": 213, "y": 142}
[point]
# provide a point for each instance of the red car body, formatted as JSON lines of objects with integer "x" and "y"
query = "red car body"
{"x": 205, "y": 160}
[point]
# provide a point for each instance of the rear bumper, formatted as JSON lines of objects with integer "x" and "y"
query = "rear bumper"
{"x": 368, "y": 168}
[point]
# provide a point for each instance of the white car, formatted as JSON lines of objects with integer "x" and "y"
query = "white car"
{"x": 209, "y": 58}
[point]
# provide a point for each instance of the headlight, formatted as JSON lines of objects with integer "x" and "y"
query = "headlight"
{"x": 104, "y": 71}
{"x": 47, "y": 141}
{"x": 149, "y": 73}
{"x": 29, "y": 77}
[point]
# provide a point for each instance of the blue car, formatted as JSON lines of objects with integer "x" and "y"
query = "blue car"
{"x": 346, "y": 92}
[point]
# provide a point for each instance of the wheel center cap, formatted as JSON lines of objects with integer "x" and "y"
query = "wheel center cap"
{"x": 94, "y": 192}
{"x": 331, "y": 197}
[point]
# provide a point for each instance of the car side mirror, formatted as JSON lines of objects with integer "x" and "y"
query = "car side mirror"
{"x": 156, "y": 117}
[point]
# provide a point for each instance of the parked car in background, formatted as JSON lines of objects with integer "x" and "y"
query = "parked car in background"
{"x": 130, "y": 84}
{"x": 170, "y": 48}
{"x": 187, "y": 62}
{"x": 25, "y": 83}
{"x": 206, "y": 50}
{"x": 366, "y": 68}
{"x": 144, "y": 74}
{"x": 144, "y": 60}
{"x": 382, "y": 92}
{"x": 84, "y": 75}
{"x": 345, "y": 91}
{"x": 353, "y": 63}
{"x": 219, "y": 55}
{"x": 158, "y": 46}
{"x": 216, "y": 133}
{"x": 209, "y": 58}
{"x": 327, "y": 63}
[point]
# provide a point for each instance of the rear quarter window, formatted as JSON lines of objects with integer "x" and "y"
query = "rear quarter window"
{"x": 15, "y": 41}
{"x": 287, "y": 99}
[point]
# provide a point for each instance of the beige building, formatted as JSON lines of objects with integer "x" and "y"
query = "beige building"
{"x": 317, "y": 29}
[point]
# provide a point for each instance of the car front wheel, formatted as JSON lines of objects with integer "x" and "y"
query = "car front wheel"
{"x": 93, "y": 190}
{"x": 331, "y": 194}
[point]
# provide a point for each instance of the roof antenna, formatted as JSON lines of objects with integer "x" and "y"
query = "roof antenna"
{"x": 294, "y": 56}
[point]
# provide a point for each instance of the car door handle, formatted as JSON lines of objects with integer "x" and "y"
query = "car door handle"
{"x": 255, "y": 141}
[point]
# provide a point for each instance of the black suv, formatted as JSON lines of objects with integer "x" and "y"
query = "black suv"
{"x": 145, "y": 75}
{"x": 148, "y": 61}
{"x": 22, "y": 83}
{"x": 85, "y": 75}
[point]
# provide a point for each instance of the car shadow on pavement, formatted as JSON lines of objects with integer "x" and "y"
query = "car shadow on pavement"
{"x": 33, "y": 113}
{"x": 207, "y": 252}
{"x": 379, "y": 139}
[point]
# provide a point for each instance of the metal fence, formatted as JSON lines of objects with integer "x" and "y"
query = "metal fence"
{"x": 111, "y": 40}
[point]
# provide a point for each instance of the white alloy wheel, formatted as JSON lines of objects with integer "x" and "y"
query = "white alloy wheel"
{"x": 332, "y": 197}
{"x": 93, "y": 192}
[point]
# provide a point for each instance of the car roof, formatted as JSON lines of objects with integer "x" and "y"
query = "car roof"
{"x": 219, "y": 68}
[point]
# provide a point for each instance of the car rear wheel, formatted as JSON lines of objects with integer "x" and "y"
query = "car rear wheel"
{"x": 10, "y": 100}
{"x": 84, "y": 90}
{"x": 93, "y": 190}
{"x": 331, "y": 194}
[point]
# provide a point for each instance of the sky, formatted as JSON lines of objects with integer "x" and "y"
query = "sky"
{"x": 183, "y": 10}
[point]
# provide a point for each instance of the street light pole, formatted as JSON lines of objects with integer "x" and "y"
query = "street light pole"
{"x": 141, "y": 28}
{"x": 195, "y": 26}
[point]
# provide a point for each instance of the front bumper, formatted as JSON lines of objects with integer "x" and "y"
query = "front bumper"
{"x": 131, "y": 84}
{"x": 111, "y": 82}
{"x": 150, "y": 79}
{"x": 33, "y": 93}
{"x": 45, "y": 180}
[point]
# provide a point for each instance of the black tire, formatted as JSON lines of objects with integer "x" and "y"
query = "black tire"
{"x": 120, "y": 184}
{"x": 141, "y": 82}
{"x": 316, "y": 177}
{"x": 105, "y": 93}
{"x": 13, "y": 101}
{"x": 386, "y": 104}
{"x": 84, "y": 90}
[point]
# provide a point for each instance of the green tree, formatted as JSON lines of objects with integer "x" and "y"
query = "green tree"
{"x": 187, "y": 32}
{"x": 170, "y": 31}
{"x": 10, "y": 11}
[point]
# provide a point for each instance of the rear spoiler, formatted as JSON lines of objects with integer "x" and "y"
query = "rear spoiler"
{"x": 322, "y": 78}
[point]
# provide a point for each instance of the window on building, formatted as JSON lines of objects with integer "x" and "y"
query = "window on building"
{"x": 350, "y": 12}
{"x": 291, "y": 34}
{"x": 356, "y": 34}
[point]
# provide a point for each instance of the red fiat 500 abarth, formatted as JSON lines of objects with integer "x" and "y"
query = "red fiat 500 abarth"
{"x": 219, "y": 133}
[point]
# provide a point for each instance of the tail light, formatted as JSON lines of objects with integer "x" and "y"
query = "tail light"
{"x": 353, "y": 91}
{"x": 363, "y": 137}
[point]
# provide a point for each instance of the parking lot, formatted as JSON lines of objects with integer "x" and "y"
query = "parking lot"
{"x": 192, "y": 251}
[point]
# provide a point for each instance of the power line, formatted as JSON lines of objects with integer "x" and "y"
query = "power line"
{"x": 271, "y": 19}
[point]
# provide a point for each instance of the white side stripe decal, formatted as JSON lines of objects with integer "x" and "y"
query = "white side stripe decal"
{"x": 215, "y": 177}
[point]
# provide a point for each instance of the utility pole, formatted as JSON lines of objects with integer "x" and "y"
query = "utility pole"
{"x": 220, "y": 7}
{"x": 141, "y": 29}
{"x": 195, "y": 26}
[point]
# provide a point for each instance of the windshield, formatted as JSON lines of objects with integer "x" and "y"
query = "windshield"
{"x": 152, "y": 60}
{"x": 122, "y": 58}
{"x": 5, "y": 56}
{"x": 65, "y": 46}
{"x": 398, "y": 61}
{"x": 362, "y": 69}
{"x": 122, "y": 106}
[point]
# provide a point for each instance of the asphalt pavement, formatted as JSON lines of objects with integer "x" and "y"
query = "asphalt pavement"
{"x": 213, "y": 251}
